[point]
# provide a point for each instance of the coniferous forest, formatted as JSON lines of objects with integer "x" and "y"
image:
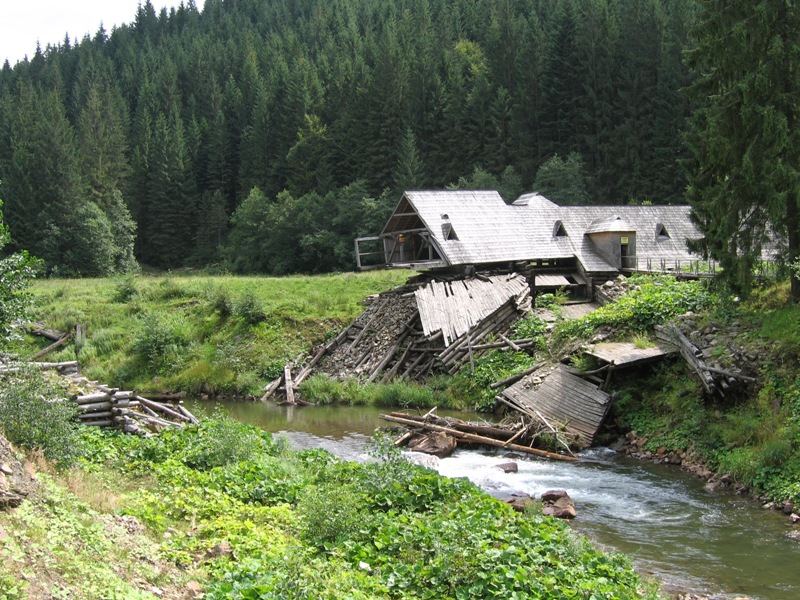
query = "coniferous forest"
{"x": 264, "y": 135}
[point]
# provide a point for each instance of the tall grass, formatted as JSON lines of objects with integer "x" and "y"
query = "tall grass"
{"x": 198, "y": 332}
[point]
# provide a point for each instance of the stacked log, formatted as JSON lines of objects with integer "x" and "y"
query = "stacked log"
{"x": 104, "y": 406}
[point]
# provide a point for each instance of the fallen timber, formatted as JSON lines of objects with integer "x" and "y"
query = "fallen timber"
{"x": 465, "y": 433}
{"x": 413, "y": 330}
{"x": 715, "y": 381}
{"x": 104, "y": 406}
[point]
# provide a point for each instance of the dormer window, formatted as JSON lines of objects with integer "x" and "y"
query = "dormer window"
{"x": 559, "y": 230}
{"x": 448, "y": 233}
{"x": 661, "y": 232}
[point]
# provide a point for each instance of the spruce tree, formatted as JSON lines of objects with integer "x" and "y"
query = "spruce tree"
{"x": 744, "y": 174}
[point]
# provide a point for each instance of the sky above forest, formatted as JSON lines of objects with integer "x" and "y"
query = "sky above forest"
{"x": 23, "y": 22}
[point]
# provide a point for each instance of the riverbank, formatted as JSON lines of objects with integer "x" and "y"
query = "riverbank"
{"x": 226, "y": 337}
{"x": 227, "y": 511}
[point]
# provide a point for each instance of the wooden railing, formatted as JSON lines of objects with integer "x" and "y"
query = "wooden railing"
{"x": 672, "y": 266}
{"x": 688, "y": 267}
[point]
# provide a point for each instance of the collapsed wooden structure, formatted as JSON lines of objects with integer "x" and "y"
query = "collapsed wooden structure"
{"x": 716, "y": 382}
{"x": 441, "y": 323}
{"x": 100, "y": 405}
{"x": 575, "y": 404}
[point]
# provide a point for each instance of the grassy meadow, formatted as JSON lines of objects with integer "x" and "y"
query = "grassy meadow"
{"x": 220, "y": 335}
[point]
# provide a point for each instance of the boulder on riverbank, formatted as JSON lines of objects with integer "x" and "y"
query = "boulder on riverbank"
{"x": 558, "y": 504}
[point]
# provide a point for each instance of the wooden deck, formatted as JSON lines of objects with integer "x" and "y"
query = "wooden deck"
{"x": 624, "y": 354}
{"x": 564, "y": 400}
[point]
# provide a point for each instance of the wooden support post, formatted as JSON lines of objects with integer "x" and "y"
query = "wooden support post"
{"x": 381, "y": 365}
{"x": 287, "y": 378}
{"x": 51, "y": 347}
{"x": 610, "y": 372}
{"x": 393, "y": 371}
{"x": 515, "y": 378}
{"x": 509, "y": 342}
{"x": 271, "y": 388}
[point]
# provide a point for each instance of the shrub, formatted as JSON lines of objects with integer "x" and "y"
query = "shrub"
{"x": 221, "y": 441}
{"x": 161, "y": 339}
{"x": 658, "y": 299}
{"x": 249, "y": 308}
{"x": 330, "y": 514}
{"x": 473, "y": 385}
{"x": 35, "y": 414}
{"x": 125, "y": 288}
{"x": 220, "y": 300}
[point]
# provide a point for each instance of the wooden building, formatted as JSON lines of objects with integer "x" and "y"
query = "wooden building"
{"x": 562, "y": 246}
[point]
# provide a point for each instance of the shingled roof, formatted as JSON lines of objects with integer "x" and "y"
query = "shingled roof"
{"x": 478, "y": 227}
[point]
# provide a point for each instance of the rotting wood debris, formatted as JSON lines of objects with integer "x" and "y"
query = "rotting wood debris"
{"x": 426, "y": 325}
{"x": 518, "y": 436}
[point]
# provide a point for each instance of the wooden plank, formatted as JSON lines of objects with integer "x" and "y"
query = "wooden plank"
{"x": 624, "y": 354}
{"x": 566, "y": 399}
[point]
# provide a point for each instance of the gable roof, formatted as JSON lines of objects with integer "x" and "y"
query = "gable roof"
{"x": 478, "y": 227}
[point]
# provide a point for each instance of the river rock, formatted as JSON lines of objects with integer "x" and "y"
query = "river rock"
{"x": 553, "y": 495}
{"x": 788, "y": 507}
{"x": 521, "y": 504}
{"x": 558, "y": 504}
{"x": 509, "y": 467}
{"x": 712, "y": 486}
{"x": 428, "y": 461}
{"x": 438, "y": 443}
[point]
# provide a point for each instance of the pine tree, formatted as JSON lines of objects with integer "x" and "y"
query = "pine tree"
{"x": 408, "y": 173}
{"x": 744, "y": 175}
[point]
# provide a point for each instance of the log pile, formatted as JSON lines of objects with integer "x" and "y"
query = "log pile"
{"x": 104, "y": 406}
{"x": 388, "y": 341}
{"x": 715, "y": 381}
{"x": 519, "y": 436}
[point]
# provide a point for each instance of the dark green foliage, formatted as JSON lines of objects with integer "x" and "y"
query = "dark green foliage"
{"x": 744, "y": 173}
{"x": 184, "y": 113}
{"x": 161, "y": 340}
{"x": 36, "y": 414}
{"x": 563, "y": 180}
{"x": 473, "y": 384}
{"x": 16, "y": 273}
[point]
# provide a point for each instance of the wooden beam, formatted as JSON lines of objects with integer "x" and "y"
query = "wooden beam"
{"x": 478, "y": 439}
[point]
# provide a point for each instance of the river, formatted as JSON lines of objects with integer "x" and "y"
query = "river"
{"x": 718, "y": 544}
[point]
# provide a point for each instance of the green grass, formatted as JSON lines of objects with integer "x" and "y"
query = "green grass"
{"x": 197, "y": 333}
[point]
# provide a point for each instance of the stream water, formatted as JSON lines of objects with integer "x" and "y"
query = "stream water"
{"x": 719, "y": 544}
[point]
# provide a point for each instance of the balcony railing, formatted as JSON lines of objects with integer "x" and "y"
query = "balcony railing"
{"x": 688, "y": 267}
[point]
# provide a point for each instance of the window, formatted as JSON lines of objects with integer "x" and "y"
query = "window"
{"x": 661, "y": 232}
{"x": 558, "y": 230}
{"x": 448, "y": 232}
